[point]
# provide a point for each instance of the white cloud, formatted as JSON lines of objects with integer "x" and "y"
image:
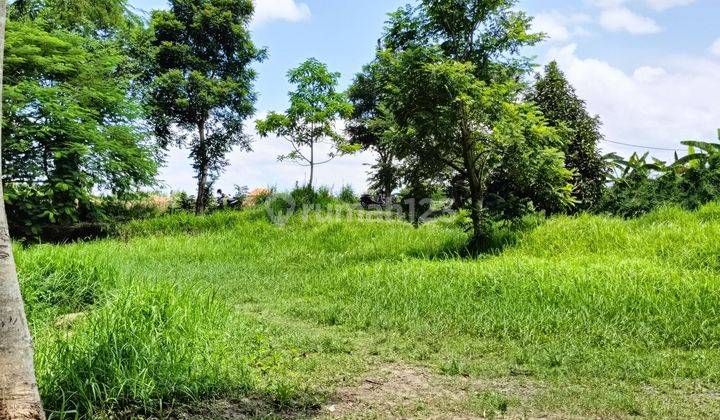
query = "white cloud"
{"x": 620, "y": 19}
{"x": 648, "y": 74}
{"x": 657, "y": 5}
{"x": 651, "y": 106}
{"x": 560, "y": 27}
{"x": 661, "y": 5}
{"x": 287, "y": 10}
{"x": 715, "y": 47}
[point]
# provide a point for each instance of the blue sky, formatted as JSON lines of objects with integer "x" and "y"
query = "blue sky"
{"x": 649, "y": 68}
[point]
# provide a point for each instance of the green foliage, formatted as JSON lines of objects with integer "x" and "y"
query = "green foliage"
{"x": 509, "y": 157}
{"x": 304, "y": 196}
{"x": 558, "y": 305}
{"x": 56, "y": 284}
{"x": 581, "y": 301}
{"x": 188, "y": 224}
{"x": 93, "y": 18}
{"x": 443, "y": 98}
{"x": 347, "y": 195}
{"x": 147, "y": 346}
{"x": 558, "y": 101}
{"x": 371, "y": 126}
{"x": 201, "y": 80}
{"x": 315, "y": 107}
{"x": 69, "y": 127}
{"x": 641, "y": 185}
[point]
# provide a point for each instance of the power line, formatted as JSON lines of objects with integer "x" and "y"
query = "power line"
{"x": 644, "y": 147}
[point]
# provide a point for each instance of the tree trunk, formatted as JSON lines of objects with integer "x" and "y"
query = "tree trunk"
{"x": 476, "y": 210}
{"x": 203, "y": 175}
{"x": 386, "y": 161}
{"x": 312, "y": 164}
{"x": 19, "y": 397}
{"x": 477, "y": 193}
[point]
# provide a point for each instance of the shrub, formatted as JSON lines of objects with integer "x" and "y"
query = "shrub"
{"x": 347, "y": 195}
{"x": 303, "y": 196}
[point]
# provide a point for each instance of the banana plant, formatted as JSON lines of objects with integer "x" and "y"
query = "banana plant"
{"x": 621, "y": 170}
{"x": 699, "y": 154}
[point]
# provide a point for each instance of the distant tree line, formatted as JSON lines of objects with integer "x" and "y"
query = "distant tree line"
{"x": 95, "y": 94}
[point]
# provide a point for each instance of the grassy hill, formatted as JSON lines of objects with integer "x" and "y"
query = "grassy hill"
{"x": 231, "y": 315}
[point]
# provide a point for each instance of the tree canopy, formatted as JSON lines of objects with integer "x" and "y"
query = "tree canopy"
{"x": 315, "y": 107}
{"x": 201, "y": 81}
{"x": 70, "y": 126}
{"x": 449, "y": 75}
{"x": 559, "y": 103}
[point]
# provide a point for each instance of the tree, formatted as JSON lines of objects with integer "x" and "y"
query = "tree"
{"x": 371, "y": 126}
{"x": 449, "y": 77}
{"x": 19, "y": 397}
{"x": 455, "y": 121}
{"x": 558, "y": 101}
{"x": 91, "y": 18}
{"x": 70, "y": 127}
{"x": 201, "y": 87}
{"x": 315, "y": 107}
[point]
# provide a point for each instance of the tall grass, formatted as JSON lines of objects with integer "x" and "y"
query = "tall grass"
{"x": 584, "y": 298}
{"x": 150, "y": 345}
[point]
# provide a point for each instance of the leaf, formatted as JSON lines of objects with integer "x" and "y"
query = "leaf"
{"x": 689, "y": 158}
{"x": 702, "y": 145}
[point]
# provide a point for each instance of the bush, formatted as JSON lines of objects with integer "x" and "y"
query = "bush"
{"x": 303, "y": 196}
{"x": 184, "y": 202}
{"x": 347, "y": 195}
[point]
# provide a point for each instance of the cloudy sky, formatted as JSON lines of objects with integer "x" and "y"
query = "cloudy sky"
{"x": 649, "y": 68}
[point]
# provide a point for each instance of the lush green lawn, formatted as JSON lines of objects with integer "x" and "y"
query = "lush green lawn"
{"x": 583, "y": 316}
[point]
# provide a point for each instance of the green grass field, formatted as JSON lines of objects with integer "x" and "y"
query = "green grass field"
{"x": 232, "y": 314}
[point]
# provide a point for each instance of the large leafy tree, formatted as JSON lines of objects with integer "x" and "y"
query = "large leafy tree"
{"x": 450, "y": 71}
{"x": 315, "y": 107}
{"x": 558, "y": 101}
{"x": 19, "y": 397}
{"x": 372, "y": 126}
{"x": 201, "y": 88}
{"x": 95, "y": 18}
{"x": 70, "y": 127}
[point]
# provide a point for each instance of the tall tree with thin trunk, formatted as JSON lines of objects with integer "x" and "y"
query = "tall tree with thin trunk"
{"x": 201, "y": 88}
{"x": 315, "y": 107}
{"x": 19, "y": 397}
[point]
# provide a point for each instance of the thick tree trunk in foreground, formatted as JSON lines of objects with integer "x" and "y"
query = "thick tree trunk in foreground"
{"x": 19, "y": 398}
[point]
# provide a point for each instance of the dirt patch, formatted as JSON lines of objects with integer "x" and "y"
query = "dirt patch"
{"x": 405, "y": 391}
{"x": 251, "y": 407}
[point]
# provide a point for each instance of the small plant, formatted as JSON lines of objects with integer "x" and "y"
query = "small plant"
{"x": 182, "y": 201}
{"x": 304, "y": 196}
{"x": 347, "y": 195}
